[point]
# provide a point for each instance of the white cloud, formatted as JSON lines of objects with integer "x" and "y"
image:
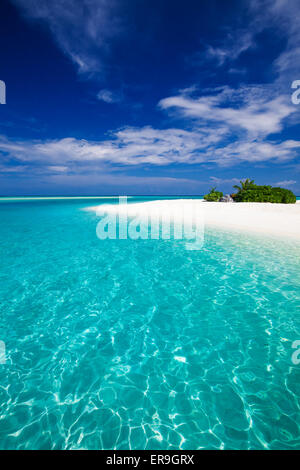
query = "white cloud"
{"x": 142, "y": 147}
{"x": 129, "y": 146}
{"x": 256, "y": 152}
{"x": 249, "y": 108}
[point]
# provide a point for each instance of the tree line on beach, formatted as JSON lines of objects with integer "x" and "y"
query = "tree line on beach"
{"x": 248, "y": 191}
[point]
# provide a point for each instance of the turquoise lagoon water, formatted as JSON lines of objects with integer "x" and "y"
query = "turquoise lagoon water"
{"x": 143, "y": 344}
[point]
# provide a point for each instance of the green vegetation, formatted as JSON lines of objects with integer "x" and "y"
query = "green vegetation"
{"x": 250, "y": 192}
{"x": 247, "y": 184}
{"x": 213, "y": 195}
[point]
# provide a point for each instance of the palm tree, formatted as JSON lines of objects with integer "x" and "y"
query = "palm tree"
{"x": 244, "y": 185}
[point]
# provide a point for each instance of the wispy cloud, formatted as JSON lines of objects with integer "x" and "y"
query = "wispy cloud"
{"x": 232, "y": 47}
{"x": 287, "y": 17}
{"x": 286, "y": 183}
{"x": 108, "y": 96}
{"x": 83, "y": 29}
{"x": 281, "y": 15}
{"x": 216, "y": 180}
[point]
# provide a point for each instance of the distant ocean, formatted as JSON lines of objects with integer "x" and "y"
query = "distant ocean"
{"x": 119, "y": 344}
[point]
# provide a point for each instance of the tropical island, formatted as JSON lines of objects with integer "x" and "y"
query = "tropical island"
{"x": 248, "y": 191}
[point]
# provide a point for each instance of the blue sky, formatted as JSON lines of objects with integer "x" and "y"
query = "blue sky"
{"x": 148, "y": 97}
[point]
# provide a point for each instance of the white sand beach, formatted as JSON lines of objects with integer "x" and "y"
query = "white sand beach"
{"x": 271, "y": 219}
{"x": 281, "y": 220}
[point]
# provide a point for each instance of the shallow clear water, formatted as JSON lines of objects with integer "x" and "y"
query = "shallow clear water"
{"x": 143, "y": 344}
